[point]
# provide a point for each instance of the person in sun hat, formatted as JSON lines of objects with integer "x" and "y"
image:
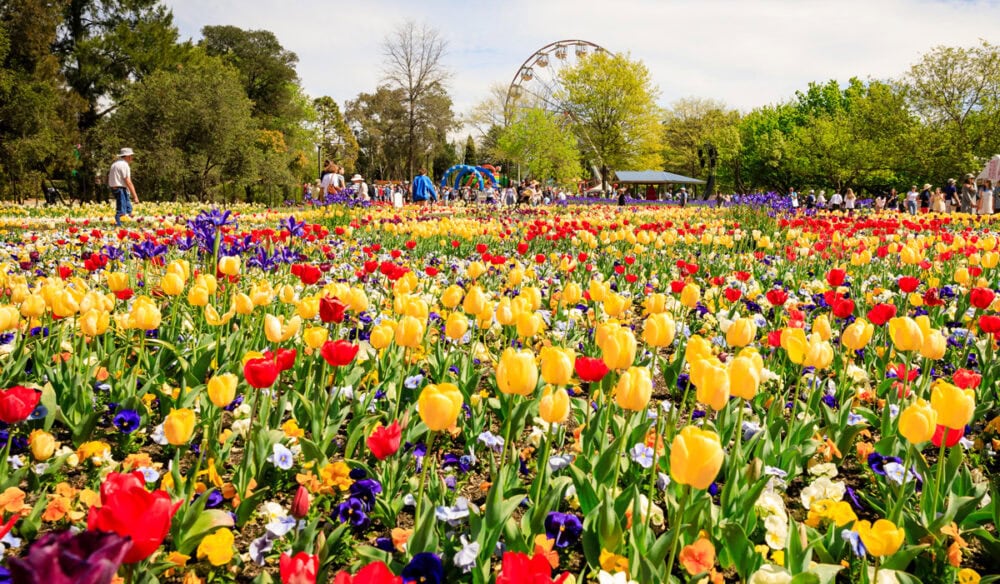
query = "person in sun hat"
{"x": 360, "y": 187}
{"x": 120, "y": 183}
{"x": 951, "y": 194}
{"x": 968, "y": 197}
{"x": 925, "y": 198}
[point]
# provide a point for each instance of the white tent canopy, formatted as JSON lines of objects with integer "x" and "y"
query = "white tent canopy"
{"x": 992, "y": 171}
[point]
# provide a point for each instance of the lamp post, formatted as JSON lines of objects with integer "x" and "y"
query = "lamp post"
{"x": 319, "y": 159}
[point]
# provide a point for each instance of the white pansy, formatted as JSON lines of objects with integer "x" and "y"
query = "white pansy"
{"x": 823, "y": 488}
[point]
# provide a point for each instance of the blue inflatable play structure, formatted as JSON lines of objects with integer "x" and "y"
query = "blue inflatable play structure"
{"x": 463, "y": 174}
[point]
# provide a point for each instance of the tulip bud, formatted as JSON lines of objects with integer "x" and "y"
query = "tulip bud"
{"x": 409, "y": 332}
{"x": 222, "y": 389}
{"x": 172, "y": 284}
{"x": 711, "y": 380}
{"x": 452, "y": 296}
{"x": 905, "y": 334}
{"x": 439, "y": 406}
{"x": 617, "y": 345}
{"x": 744, "y": 378}
{"x": 821, "y": 326}
{"x": 474, "y": 301}
{"x": 516, "y": 372}
{"x": 117, "y": 281}
{"x": 315, "y": 336}
{"x": 554, "y": 406}
{"x": 382, "y": 335}
{"x": 456, "y": 326}
{"x": 690, "y": 295}
{"x": 229, "y": 265}
{"x": 918, "y": 422}
{"x": 43, "y": 445}
{"x": 742, "y": 332}
{"x": 635, "y": 387}
{"x": 179, "y": 426}
{"x": 300, "y": 505}
{"x": 557, "y": 365}
{"x": 659, "y": 330}
{"x": 696, "y": 457}
{"x": 857, "y": 335}
{"x": 954, "y": 406}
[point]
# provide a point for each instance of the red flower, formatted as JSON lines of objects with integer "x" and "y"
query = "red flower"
{"x": 411, "y": 244}
{"x": 981, "y": 298}
{"x": 539, "y": 258}
{"x": 17, "y": 403}
{"x": 590, "y": 369}
{"x": 881, "y": 313}
{"x": 300, "y": 504}
{"x": 129, "y": 510}
{"x": 966, "y": 379}
{"x": 989, "y": 323}
{"x": 677, "y": 286}
{"x": 339, "y": 353}
{"x": 774, "y": 338}
{"x": 522, "y": 248}
{"x": 908, "y": 283}
{"x": 843, "y": 307}
{"x": 732, "y": 294}
{"x": 374, "y": 573}
{"x": 953, "y": 436}
{"x": 777, "y": 297}
{"x": 261, "y": 373}
{"x": 742, "y": 276}
{"x": 518, "y": 568}
{"x": 902, "y": 373}
{"x": 384, "y": 441}
{"x": 835, "y": 277}
{"x": 331, "y": 310}
{"x": 309, "y": 274}
{"x": 298, "y": 569}
{"x": 124, "y": 294}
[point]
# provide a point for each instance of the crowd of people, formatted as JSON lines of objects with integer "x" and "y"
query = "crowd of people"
{"x": 969, "y": 197}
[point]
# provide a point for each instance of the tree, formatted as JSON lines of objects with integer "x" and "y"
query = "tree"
{"x": 267, "y": 69}
{"x": 470, "y": 151}
{"x": 611, "y": 101}
{"x": 413, "y": 63}
{"x": 379, "y": 121}
{"x": 196, "y": 128}
{"x": 336, "y": 139}
{"x": 693, "y": 123}
{"x": 543, "y": 146}
{"x": 37, "y": 113}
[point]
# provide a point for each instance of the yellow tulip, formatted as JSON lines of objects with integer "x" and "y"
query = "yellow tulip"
{"x": 690, "y": 295}
{"x": 229, "y": 265}
{"x": 616, "y": 305}
{"x": 409, "y": 332}
{"x": 33, "y": 306}
{"x": 655, "y": 303}
{"x": 571, "y": 294}
{"x": 144, "y": 315}
{"x": 244, "y": 304}
{"x": 954, "y": 406}
{"x": 617, "y": 345}
{"x": 635, "y": 387}
{"x": 179, "y": 426}
{"x": 695, "y": 457}
{"x": 819, "y": 353}
{"x": 744, "y": 377}
{"x": 217, "y": 547}
{"x": 554, "y": 405}
{"x": 315, "y": 336}
{"x": 516, "y": 372}
{"x": 935, "y": 345}
{"x": 452, "y": 296}
{"x": 474, "y": 301}
{"x": 918, "y": 422}
{"x": 222, "y": 389}
{"x": 557, "y": 365}
{"x": 172, "y": 284}
{"x": 598, "y": 290}
{"x": 117, "y": 281}
{"x": 857, "y": 335}
{"x": 529, "y": 324}
{"x": 741, "y": 333}
{"x": 383, "y": 334}
{"x": 94, "y": 322}
{"x": 821, "y": 326}
{"x": 505, "y": 313}
{"x": 439, "y": 406}
{"x": 287, "y": 294}
{"x": 456, "y": 326}
{"x": 307, "y": 308}
{"x": 905, "y": 334}
{"x": 43, "y": 445}
{"x": 795, "y": 344}
{"x": 533, "y": 296}
{"x": 278, "y": 330}
{"x": 881, "y": 539}
{"x": 475, "y": 270}
{"x": 962, "y": 276}
{"x": 198, "y": 296}
{"x": 356, "y": 300}
{"x": 180, "y": 267}
{"x": 711, "y": 380}
{"x": 208, "y": 282}
{"x": 416, "y": 308}
{"x": 697, "y": 348}
{"x": 64, "y": 304}
{"x": 658, "y": 330}
{"x": 9, "y": 318}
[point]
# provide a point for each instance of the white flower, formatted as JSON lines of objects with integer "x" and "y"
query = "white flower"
{"x": 239, "y": 427}
{"x": 776, "y": 527}
{"x": 159, "y": 436}
{"x": 825, "y": 469}
{"x": 823, "y": 488}
{"x": 273, "y": 511}
{"x": 770, "y": 503}
{"x": 465, "y": 559}
{"x": 655, "y": 513}
{"x": 770, "y": 574}
{"x": 281, "y": 457}
{"x": 616, "y": 578}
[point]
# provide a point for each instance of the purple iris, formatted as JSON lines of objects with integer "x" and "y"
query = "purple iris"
{"x": 88, "y": 557}
{"x": 425, "y": 568}
{"x": 564, "y": 528}
{"x": 127, "y": 421}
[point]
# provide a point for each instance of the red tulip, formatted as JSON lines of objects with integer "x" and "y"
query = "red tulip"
{"x": 17, "y": 403}
{"x": 774, "y": 338}
{"x": 966, "y": 379}
{"x": 742, "y": 276}
{"x": 298, "y": 569}
{"x": 331, "y": 310}
{"x": 300, "y": 505}
{"x": 518, "y": 568}
{"x": 777, "y": 297}
{"x": 835, "y": 277}
{"x": 843, "y": 307}
{"x": 989, "y": 323}
{"x": 128, "y": 509}
{"x": 339, "y": 353}
{"x": 902, "y": 373}
{"x": 732, "y": 294}
{"x": 374, "y": 573}
{"x": 261, "y": 373}
{"x": 384, "y": 441}
{"x": 590, "y": 369}
{"x": 522, "y": 248}
{"x": 309, "y": 274}
{"x": 285, "y": 358}
{"x": 981, "y": 298}
{"x": 908, "y": 283}
{"x": 677, "y": 286}
{"x": 881, "y": 313}
{"x": 953, "y": 436}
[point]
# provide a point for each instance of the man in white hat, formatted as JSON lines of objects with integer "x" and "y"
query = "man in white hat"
{"x": 360, "y": 187}
{"x": 120, "y": 183}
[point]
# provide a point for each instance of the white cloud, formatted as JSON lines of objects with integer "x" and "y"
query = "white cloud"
{"x": 744, "y": 53}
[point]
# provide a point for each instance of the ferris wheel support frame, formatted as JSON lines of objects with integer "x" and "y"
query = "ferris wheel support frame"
{"x": 535, "y": 57}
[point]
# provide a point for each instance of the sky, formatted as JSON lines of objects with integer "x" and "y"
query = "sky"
{"x": 744, "y": 53}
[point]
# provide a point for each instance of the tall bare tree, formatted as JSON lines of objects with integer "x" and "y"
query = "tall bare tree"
{"x": 413, "y": 63}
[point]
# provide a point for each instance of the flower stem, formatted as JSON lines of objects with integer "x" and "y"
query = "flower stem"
{"x": 423, "y": 475}
{"x": 940, "y": 474}
{"x": 678, "y": 521}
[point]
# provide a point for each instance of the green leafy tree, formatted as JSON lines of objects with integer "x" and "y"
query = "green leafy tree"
{"x": 336, "y": 139}
{"x": 470, "y": 151}
{"x": 379, "y": 121}
{"x": 692, "y": 123}
{"x": 611, "y": 101}
{"x": 197, "y": 131}
{"x": 545, "y": 148}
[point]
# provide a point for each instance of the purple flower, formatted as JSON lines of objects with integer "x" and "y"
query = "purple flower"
{"x": 564, "y": 528}
{"x": 425, "y": 568}
{"x": 89, "y": 557}
{"x": 127, "y": 421}
{"x": 877, "y": 462}
{"x": 352, "y": 511}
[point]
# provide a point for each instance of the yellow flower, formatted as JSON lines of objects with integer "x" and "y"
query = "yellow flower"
{"x": 557, "y": 365}
{"x": 277, "y": 330}
{"x": 217, "y": 547}
{"x": 881, "y": 539}
{"x": 634, "y": 388}
{"x": 695, "y": 457}
{"x": 229, "y": 265}
{"x": 857, "y": 335}
{"x": 452, "y": 296}
{"x": 612, "y": 563}
{"x": 440, "y": 405}
{"x": 144, "y": 315}
{"x": 529, "y": 324}
{"x": 658, "y": 330}
{"x": 95, "y": 322}
{"x": 744, "y": 377}
{"x": 315, "y": 336}
{"x": 742, "y": 332}
{"x": 571, "y": 294}
{"x": 517, "y": 372}
{"x": 222, "y": 389}
{"x": 178, "y": 426}
{"x": 117, "y": 281}
{"x": 905, "y": 334}
{"x": 617, "y": 345}
{"x": 918, "y": 422}
{"x": 456, "y": 326}
{"x": 198, "y": 296}
{"x": 711, "y": 381}
{"x": 968, "y": 576}
{"x": 554, "y": 405}
{"x": 383, "y": 334}
{"x": 954, "y": 406}
{"x": 474, "y": 300}
{"x": 690, "y": 295}
{"x": 172, "y": 284}
{"x": 821, "y": 326}
{"x": 409, "y": 332}
{"x": 43, "y": 445}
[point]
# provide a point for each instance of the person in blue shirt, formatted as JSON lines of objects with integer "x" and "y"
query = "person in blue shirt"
{"x": 423, "y": 188}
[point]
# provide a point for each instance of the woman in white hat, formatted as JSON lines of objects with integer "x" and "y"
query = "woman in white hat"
{"x": 360, "y": 188}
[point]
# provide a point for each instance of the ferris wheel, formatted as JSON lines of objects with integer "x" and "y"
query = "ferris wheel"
{"x": 536, "y": 83}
